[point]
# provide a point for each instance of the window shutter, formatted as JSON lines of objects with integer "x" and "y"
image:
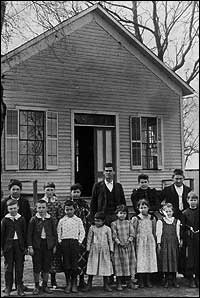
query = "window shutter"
{"x": 135, "y": 127}
{"x": 52, "y": 140}
{"x": 12, "y": 140}
{"x": 159, "y": 139}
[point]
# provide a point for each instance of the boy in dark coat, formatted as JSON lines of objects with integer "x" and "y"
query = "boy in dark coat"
{"x": 42, "y": 240}
{"x": 13, "y": 244}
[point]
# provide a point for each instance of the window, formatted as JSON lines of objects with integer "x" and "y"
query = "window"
{"x": 31, "y": 142}
{"x": 146, "y": 143}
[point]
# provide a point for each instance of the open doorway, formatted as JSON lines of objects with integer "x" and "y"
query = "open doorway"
{"x": 84, "y": 158}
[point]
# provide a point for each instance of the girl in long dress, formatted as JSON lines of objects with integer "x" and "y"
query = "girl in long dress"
{"x": 100, "y": 249}
{"x": 124, "y": 260}
{"x": 145, "y": 226}
{"x": 168, "y": 239}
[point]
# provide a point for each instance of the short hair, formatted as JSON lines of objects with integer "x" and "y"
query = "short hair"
{"x": 122, "y": 208}
{"x": 142, "y": 202}
{"x": 14, "y": 182}
{"x": 41, "y": 201}
{"x": 143, "y": 176}
{"x": 192, "y": 194}
{"x": 49, "y": 184}
{"x": 100, "y": 215}
{"x": 108, "y": 165}
{"x": 76, "y": 186}
{"x": 178, "y": 172}
{"x": 69, "y": 203}
{"x": 168, "y": 205}
{"x": 11, "y": 202}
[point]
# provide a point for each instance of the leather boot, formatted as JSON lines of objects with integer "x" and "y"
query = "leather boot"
{"x": 74, "y": 284}
{"x": 149, "y": 284}
{"x": 141, "y": 280}
{"x": 68, "y": 287}
{"x": 174, "y": 281}
{"x": 119, "y": 284}
{"x": 106, "y": 284}
{"x": 89, "y": 284}
{"x": 20, "y": 291}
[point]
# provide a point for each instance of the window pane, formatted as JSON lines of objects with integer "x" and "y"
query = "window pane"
{"x": 159, "y": 129}
{"x": 52, "y": 147}
{"x": 97, "y": 119}
{"x": 31, "y": 140}
{"x": 23, "y": 117}
{"x": 136, "y": 129}
{"x": 52, "y": 128}
{"x": 23, "y": 148}
{"x": 23, "y": 162}
{"x": 23, "y": 132}
{"x": 136, "y": 154}
{"x": 52, "y": 160}
{"x": 160, "y": 153}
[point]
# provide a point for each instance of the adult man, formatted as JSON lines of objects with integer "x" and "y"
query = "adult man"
{"x": 106, "y": 195}
{"x": 176, "y": 194}
{"x": 15, "y": 187}
{"x": 145, "y": 192}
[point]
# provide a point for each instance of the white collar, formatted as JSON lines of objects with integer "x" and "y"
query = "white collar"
{"x": 53, "y": 199}
{"x": 178, "y": 187}
{"x": 73, "y": 217}
{"x": 15, "y": 198}
{"x": 142, "y": 216}
{"x": 106, "y": 182}
{"x": 13, "y": 217}
{"x": 169, "y": 220}
{"x": 39, "y": 216}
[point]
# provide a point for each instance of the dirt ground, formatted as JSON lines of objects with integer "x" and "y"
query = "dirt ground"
{"x": 97, "y": 291}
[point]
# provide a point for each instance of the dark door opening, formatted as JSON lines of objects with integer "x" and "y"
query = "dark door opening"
{"x": 84, "y": 158}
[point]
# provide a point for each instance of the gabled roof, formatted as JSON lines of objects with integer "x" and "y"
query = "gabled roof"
{"x": 186, "y": 89}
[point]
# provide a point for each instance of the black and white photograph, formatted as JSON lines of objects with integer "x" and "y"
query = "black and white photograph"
{"x": 100, "y": 148}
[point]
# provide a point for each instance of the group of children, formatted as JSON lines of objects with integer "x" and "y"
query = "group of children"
{"x": 131, "y": 249}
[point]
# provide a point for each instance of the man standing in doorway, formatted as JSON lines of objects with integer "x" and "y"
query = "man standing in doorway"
{"x": 176, "y": 194}
{"x": 106, "y": 195}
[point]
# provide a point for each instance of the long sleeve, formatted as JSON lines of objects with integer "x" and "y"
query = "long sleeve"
{"x": 3, "y": 232}
{"x": 30, "y": 232}
{"x": 89, "y": 238}
{"x": 122, "y": 196}
{"x": 132, "y": 233}
{"x": 159, "y": 227}
{"x": 110, "y": 241}
{"x": 178, "y": 226}
{"x": 81, "y": 232}
{"x": 93, "y": 203}
{"x": 114, "y": 233}
{"x": 59, "y": 230}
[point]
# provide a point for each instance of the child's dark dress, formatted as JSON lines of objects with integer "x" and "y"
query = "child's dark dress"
{"x": 169, "y": 247}
{"x": 191, "y": 241}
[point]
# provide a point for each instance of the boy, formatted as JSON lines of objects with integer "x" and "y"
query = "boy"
{"x": 13, "y": 244}
{"x": 70, "y": 235}
{"x": 42, "y": 240}
{"x": 190, "y": 236}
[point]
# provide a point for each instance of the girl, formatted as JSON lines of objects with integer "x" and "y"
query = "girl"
{"x": 123, "y": 235}
{"x": 168, "y": 239}
{"x": 190, "y": 234}
{"x": 145, "y": 225}
{"x": 100, "y": 249}
{"x": 55, "y": 209}
{"x": 82, "y": 211}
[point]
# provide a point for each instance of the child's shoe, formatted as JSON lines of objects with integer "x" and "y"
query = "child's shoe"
{"x": 74, "y": 285}
{"x": 166, "y": 284}
{"x": 106, "y": 285}
{"x": 192, "y": 283}
{"x": 7, "y": 292}
{"x": 20, "y": 291}
{"x": 119, "y": 284}
{"x": 175, "y": 284}
{"x": 36, "y": 291}
{"x": 46, "y": 290}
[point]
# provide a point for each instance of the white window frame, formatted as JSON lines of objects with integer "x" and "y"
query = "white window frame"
{"x": 140, "y": 116}
{"x": 46, "y": 166}
{"x": 51, "y": 167}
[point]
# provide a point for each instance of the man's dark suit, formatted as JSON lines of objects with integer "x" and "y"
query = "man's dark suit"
{"x": 99, "y": 201}
{"x": 169, "y": 195}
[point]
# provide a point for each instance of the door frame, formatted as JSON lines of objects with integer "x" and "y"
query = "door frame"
{"x": 117, "y": 144}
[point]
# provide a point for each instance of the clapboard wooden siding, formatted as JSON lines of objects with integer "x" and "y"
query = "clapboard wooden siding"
{"x": 91, "y": 70}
